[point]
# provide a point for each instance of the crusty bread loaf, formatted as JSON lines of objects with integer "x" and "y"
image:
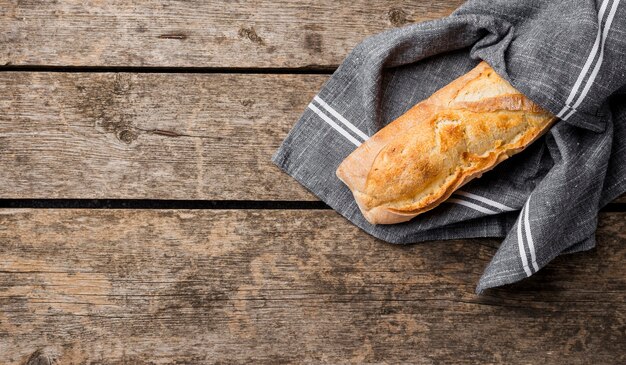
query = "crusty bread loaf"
{"x": 418, "y": 160}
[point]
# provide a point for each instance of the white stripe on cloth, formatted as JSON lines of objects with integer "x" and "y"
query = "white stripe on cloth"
{"x": 472, "y": 205}
{"x": 529, "y": 237}
{"x": 487, "y": 201}
{"x": 520, "y": 243}
{"x": 598, "y": 44}
{"x": 590, "y": 58}
{"x": 334, "y": 125}
{"x": 339, "y": 117}
{"x": 596, "y": 69}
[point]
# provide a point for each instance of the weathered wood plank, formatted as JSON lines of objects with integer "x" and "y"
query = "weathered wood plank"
{"x": 162, "y": 286}
{"x": 265, "y": 33}
{"x": 152, "y": 136}
{"x": 157, "y": 136}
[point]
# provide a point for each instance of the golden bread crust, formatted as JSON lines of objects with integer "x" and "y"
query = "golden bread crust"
{"x": 458, "y": 133}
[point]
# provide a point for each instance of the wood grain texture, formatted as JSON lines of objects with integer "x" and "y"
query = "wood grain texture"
{"x": 165, "y": 287}
{"x": 149, "y": 136}
{"x": 265, "y": 33}
{"x": 155, "y": 136}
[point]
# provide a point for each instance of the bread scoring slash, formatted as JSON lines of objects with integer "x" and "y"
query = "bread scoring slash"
{"x": 461, "y": 131}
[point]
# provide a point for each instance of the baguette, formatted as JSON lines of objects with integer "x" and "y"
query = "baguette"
{"x": 461, "y": 131}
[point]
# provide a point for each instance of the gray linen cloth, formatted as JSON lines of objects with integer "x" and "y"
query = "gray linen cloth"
{"x": 567, "y": 56}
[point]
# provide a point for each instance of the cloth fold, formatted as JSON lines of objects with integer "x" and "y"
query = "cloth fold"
{"x": 569, "y": 56}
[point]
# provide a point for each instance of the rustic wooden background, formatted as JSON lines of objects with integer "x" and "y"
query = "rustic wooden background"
{"x": 148, "y": 108}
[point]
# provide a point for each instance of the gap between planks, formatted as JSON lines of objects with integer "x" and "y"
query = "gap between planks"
{"x": 305, "y": 70}
{"x": 190, "y": 204}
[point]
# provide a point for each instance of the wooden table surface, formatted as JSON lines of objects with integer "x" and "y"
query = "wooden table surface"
{"x": 142, "y": 221}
